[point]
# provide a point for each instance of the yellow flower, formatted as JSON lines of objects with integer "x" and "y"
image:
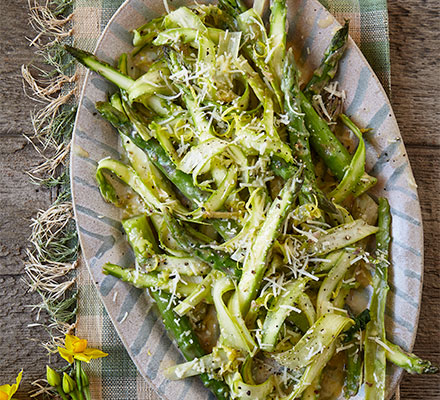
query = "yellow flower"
{"x": 76, "y": 348}
{"x": 7, "y": 391}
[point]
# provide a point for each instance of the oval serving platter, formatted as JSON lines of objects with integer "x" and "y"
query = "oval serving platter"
{"x": 132, "y": 312}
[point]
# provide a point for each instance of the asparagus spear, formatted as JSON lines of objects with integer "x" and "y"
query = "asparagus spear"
{"x": 312, "y": 371}
{"x": 138, "y": 279}
{"x": 179, "y": 326}
{"x": 162, "y": 161}
{"x": 353, "y": 376}
{"x": 328, "y": 147}
{"x": 255, "y": 264}
{"x": 251, "y": 25}
{"x": 139, "y": 234}
{"x": 278, "y": 37}
{"x": 336, "y": 274}
{"x": 123, "y": 82}
{"x": 329, "y": 63}
{"x": 310, "y": 351}
{"x": 354, "y": 172}
{"x": 279, "y": 311}
{"x": 299, "y": 136}
{"x": 375, "y": 355}
{"x": 144, "y": 280}
{"x": 232, "y": 7}
{"x": 322, "y": 139}
{"x": 188, "y": 343}
{"x": 214, "y": 258}
{"x": 154, "y": 151}
{"x": 286, "y": 170}
{"x": 143, "y": 89}
{"x": 353, "y": 367}
{"x": 408, "y": 361}
{"x": 102, "y": 68}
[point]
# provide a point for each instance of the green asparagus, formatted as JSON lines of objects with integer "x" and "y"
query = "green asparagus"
{"x": 244, "y": 240}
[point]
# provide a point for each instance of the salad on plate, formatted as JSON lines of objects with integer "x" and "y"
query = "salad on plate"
{"x": 250, "y": 221}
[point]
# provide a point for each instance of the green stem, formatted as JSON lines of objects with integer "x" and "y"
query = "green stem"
{"x": 255, "y": 265}
{"x": 75, "y": 395}
{"x": 78, "y": 379}
{"x": 85, "y": 382}
{"x": 61, "y": 392}
{"x": 86, "y": 391}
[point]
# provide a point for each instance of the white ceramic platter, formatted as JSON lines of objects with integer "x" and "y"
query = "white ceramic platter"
{"x": 99, "y": 223}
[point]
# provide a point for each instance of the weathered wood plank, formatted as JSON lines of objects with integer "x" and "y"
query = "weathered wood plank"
{"x": 415, "y": 45}
{"x": 425, "y": 163}
{"x": 19, "y": 202}
{"x": 15, "y": 32}
{"x": 20, "y": 345}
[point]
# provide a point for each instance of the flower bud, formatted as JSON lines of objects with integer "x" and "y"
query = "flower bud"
{"x": 53, "y": 378}
{"x": 84, "y": 378}
{"x": 69, "y": 384}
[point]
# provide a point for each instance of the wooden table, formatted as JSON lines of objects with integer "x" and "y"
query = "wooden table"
{"x": 415, "y": 46}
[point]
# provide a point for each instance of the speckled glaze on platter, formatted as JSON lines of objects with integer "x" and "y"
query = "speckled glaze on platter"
{"x": 310, "y": 30}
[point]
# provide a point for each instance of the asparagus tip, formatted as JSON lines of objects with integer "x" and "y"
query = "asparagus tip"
{"x": 430, "y": 369}
{"x": 77, "y": 53}
{"x": 110, "y": 269}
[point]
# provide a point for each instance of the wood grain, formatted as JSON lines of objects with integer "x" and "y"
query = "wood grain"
{"x": 415, "y": 45}
{"x": 19, "y": 202}
{"x": 425, "y": 162}
{"x": 15, "y": 30}
{"x": 20, "y": 199}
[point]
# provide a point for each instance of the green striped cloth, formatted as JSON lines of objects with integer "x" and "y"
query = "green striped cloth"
{"x": 115, "y": 377}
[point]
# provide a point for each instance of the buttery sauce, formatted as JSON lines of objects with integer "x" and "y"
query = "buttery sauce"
{"x": 80, "y": 152}
{"x": 326, "y": 22}
{"x": 208, "y": 330}
{"x": 333, "y": 376}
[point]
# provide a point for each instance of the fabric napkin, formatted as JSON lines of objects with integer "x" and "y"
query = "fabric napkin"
{"x": 115, "y": 377}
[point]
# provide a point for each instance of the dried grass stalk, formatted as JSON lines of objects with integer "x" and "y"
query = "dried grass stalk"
{"x": 51, "y": 257}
